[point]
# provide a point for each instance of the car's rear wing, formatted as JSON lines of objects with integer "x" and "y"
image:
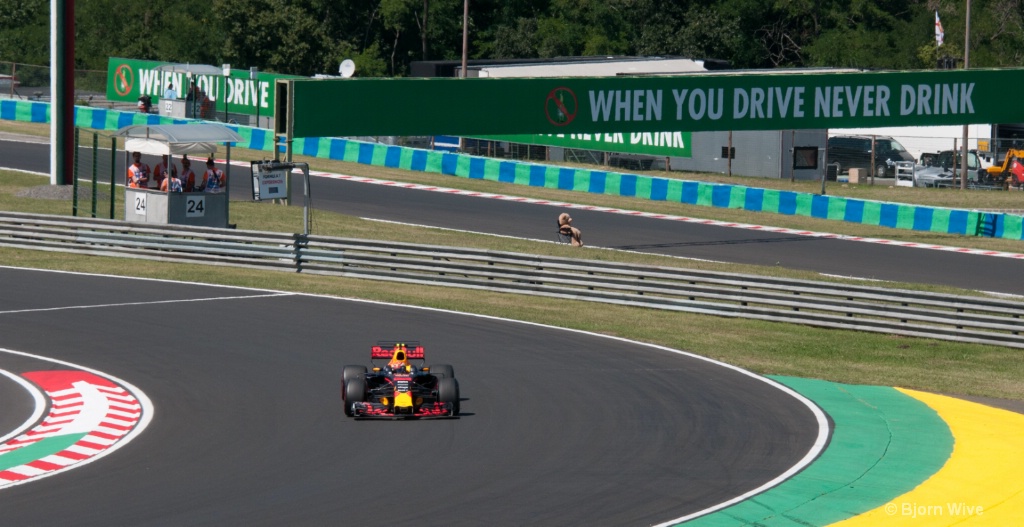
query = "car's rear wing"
{"x": 385, "y": 349}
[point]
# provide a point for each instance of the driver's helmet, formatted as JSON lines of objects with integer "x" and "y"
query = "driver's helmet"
{"x": 399, "y": 361}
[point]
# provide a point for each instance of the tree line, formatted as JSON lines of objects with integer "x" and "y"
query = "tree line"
{"x": 306, "y": 37}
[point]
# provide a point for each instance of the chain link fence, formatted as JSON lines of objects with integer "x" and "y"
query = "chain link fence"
{"x": 32, "y": 82}
{"x": 96, "y": 174}
{"x": 24, "y": 81}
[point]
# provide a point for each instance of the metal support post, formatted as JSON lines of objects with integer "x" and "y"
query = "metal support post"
{"x": 74, "y": 177}
{"x": 113, "y": 174}
{"x": 95, "y": 168}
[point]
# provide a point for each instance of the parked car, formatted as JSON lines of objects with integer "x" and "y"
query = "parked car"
{"x": 986, "y": 159}
{"x": 940, "y": 173}
{"x": 854, "y": 151}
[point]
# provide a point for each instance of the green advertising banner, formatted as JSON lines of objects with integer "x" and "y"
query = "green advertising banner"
{"x": 674, "y": 144}
{"x": 706, "y": 102}
{"x": 128, "y": 79}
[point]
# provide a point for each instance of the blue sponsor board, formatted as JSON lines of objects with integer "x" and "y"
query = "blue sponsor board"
{"x": 446, "y": 143}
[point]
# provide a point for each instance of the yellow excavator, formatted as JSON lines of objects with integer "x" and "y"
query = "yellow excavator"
{"x": 1010, "y": 173}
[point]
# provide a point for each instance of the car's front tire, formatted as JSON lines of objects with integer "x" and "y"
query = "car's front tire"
{"x": 448, "y": 392}
{"x": 355, "y": 392}
{"x": 351, "y": 372}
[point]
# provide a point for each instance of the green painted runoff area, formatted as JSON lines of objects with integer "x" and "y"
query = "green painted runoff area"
{"x": 884, "y": 444}
{"x": 38, "y": 450}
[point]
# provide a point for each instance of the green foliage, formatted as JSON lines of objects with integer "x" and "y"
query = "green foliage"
{"x": 305, "y": 37}
{"x": 705, "y": 33}
{"x": 518, "y": 40}
{"x": 368, "y": 62}
{"x": 165, "y": 30}
{"x": 445, "y": 29}
{"x": 25, "y": 31}
{"x": 929, "y": 54}
{"x": 276, "y": 35}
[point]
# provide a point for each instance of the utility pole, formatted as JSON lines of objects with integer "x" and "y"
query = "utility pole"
{"x": 226, "y": 69}
{"x": 465, "y": 35}
{"x": 465, "y": 50}
{"x": 967, "y": 54}
{"x": 426, "y": 5}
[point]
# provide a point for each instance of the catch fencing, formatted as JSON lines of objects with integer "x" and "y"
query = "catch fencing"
{"x": 821, "y": 304}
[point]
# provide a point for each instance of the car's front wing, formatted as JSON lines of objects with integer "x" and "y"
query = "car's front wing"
{"x": 435, "y": 409}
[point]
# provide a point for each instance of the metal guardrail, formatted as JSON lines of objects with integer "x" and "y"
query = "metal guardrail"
{"x": 821, "y": 304}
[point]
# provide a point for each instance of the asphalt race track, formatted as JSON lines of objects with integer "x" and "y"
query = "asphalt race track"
{"x": 558, "y": 427}
{"x": 827, "y": 256}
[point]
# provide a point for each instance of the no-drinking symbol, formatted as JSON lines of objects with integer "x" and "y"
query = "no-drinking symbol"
{"x": 561, "y": 106}
{"x": 124, "y": 79}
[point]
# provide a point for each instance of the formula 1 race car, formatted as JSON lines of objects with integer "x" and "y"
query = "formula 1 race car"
{"x": 400, "y": 389}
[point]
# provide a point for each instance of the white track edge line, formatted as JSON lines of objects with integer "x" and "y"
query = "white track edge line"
{"x": 39, "y": 406}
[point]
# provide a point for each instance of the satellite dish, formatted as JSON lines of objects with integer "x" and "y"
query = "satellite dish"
{"x": 347, "y": 68}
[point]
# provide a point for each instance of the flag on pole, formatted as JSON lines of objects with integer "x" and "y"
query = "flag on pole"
{"x": 939, "y": 34}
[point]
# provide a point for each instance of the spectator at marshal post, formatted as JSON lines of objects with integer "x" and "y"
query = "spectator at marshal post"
{"x": 216, "y": 180}
{"x": 170, "y": 182}
{"x": 138, "y": 172}
{"x": 191, "y": 181}
{"x": 165, "y": 165}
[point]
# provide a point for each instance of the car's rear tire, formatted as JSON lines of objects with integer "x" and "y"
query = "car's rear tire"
{"x": 443, "y": 370}
{"x": 355, "y": 392}
{"x": 448, "y": 392}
